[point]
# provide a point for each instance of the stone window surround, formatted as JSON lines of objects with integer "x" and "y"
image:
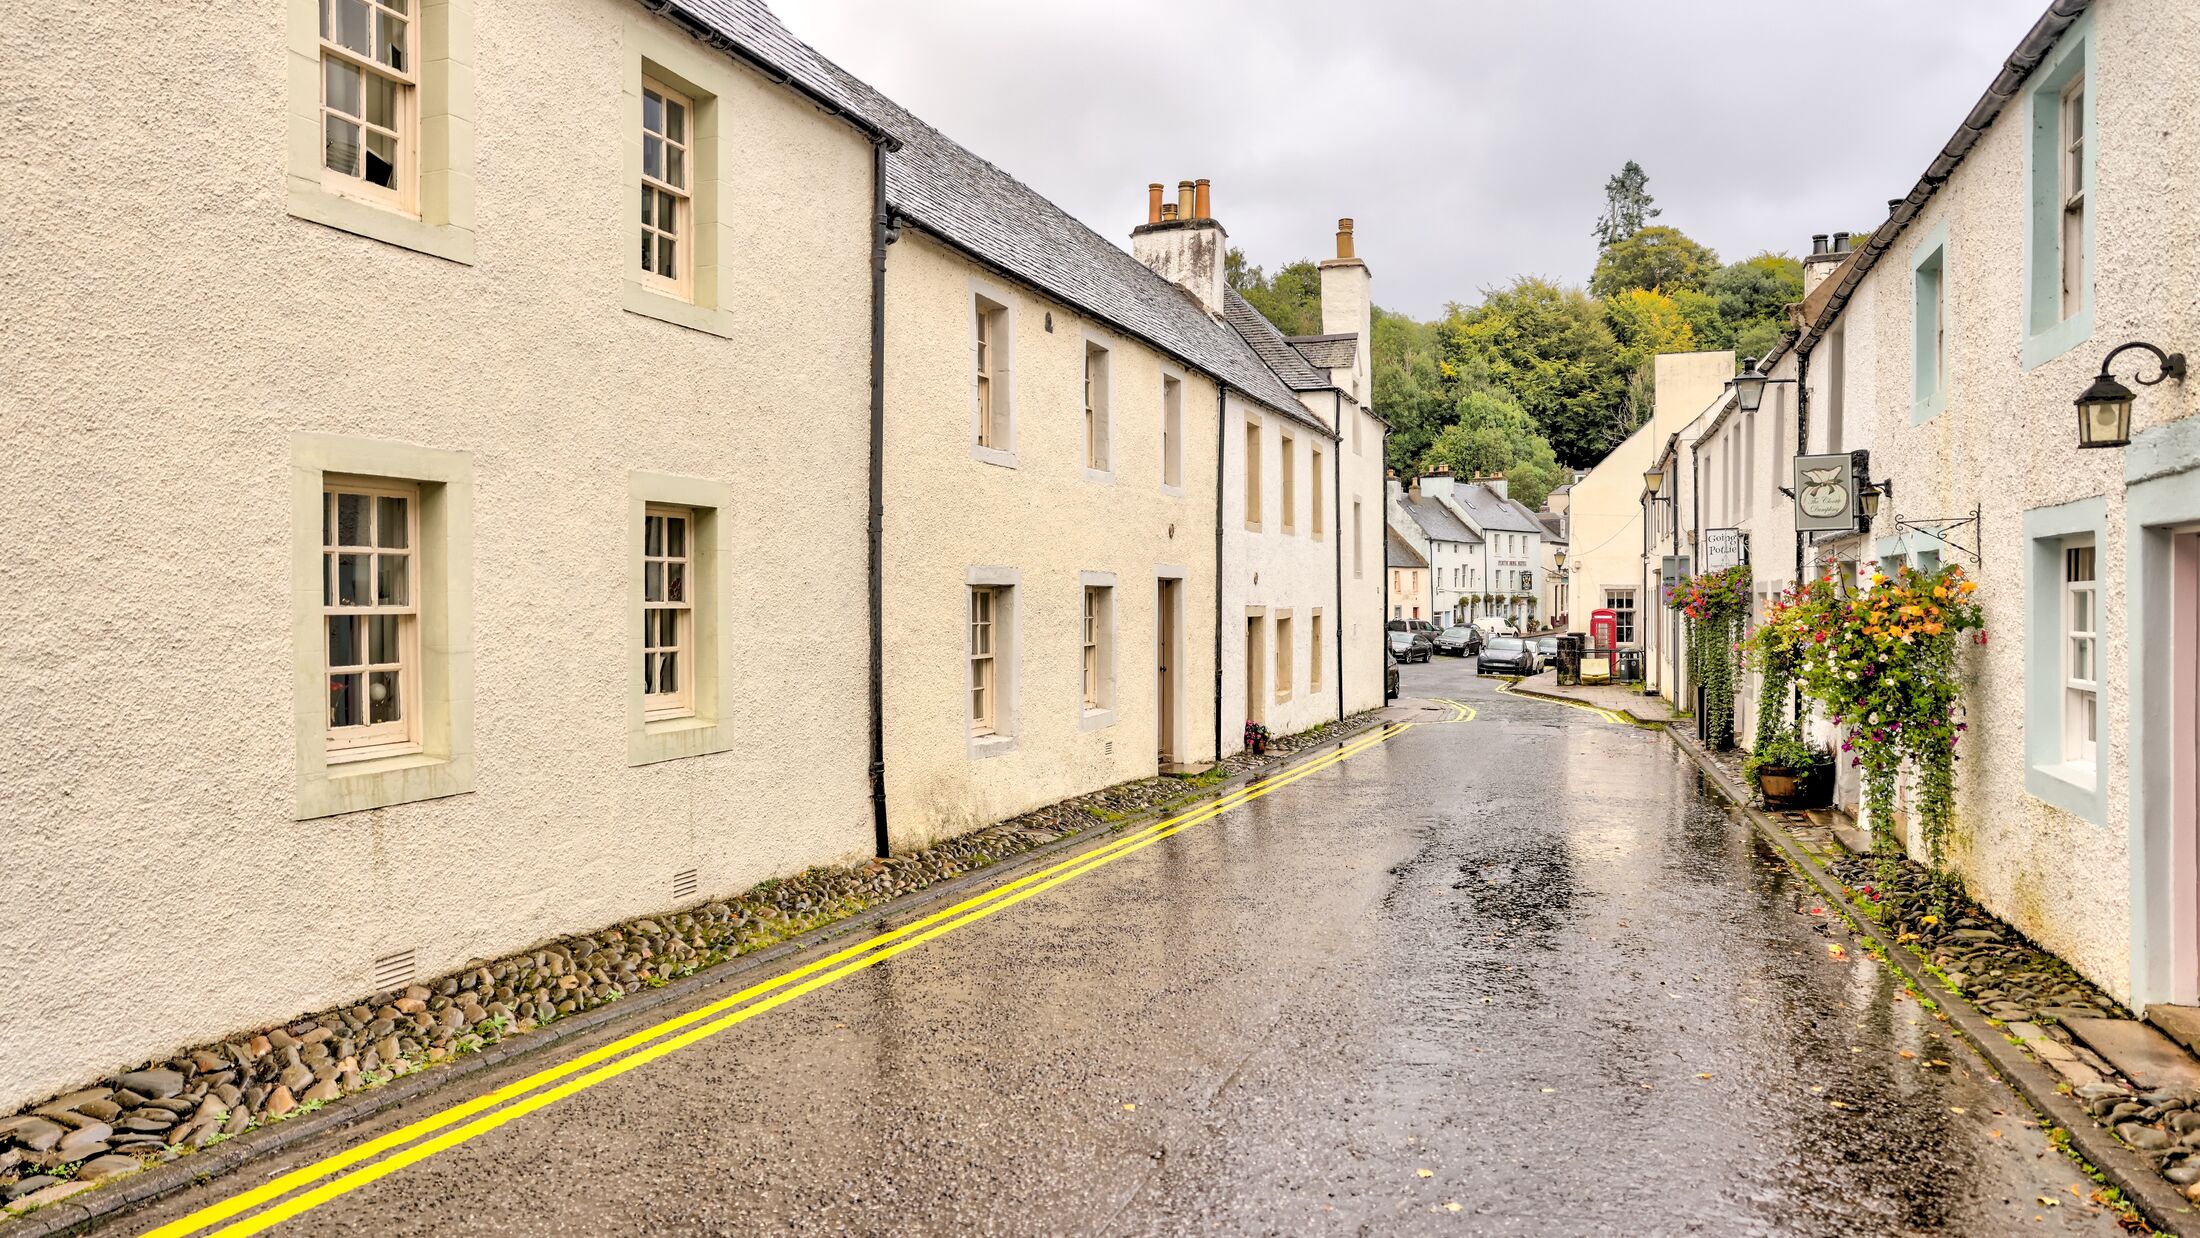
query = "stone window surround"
{"x": 2160, "y": 469}
{"x": 1103, "y": 717}
{"x": 1003, "y": 360}
{"x": 445, "y": 763}
{"x": 649, "y": 50}
{"x": 1007, "y": 643}
{"x": 1172, "y": 445}
{"x": 2075, "y": 790}
{"x": 2046, "y": 334}
{"x": 1284, "y": 635}
{"x": 711, "y": 669}
{"x": 442, "y": 143}
{"x": 1929, "y": 273}
{"x": 1099, "y": 349}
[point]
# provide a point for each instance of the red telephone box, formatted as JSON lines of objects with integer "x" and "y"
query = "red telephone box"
{"x": 1596, "y": 658}
{"x": 1603, "y": 629}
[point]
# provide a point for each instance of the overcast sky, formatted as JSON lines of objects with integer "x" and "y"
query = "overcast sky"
{"x": 1470, "y": 139}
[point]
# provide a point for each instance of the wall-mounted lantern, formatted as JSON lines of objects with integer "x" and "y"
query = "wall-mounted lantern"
{"x": 1868, "y": 499}
{"x": 1653, "y": 483}
{"x": 1749, "y": 385}
{"x": 2104, "y": 410}
{"x": 1558, "y": 558}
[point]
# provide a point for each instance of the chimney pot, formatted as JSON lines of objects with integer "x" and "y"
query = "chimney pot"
{"x": 1202, "y": 203}
{"x": 1344, "y": 238}
{"x": 1818, "y": 243}
{"x": 1184, "y": 200}
{"x": 1840, "y": 242}
{"x": 1153, "y": 202}
{"x": 1168, "y": 212}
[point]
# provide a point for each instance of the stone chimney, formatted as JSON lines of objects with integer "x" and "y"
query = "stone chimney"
{"x": 1348, "y": 308}
{"x": 1497, "y": 483}
{"x": 1436, "y": 483}
{"x": 1826, "y": 253}
{"x": 1183, "y": 243}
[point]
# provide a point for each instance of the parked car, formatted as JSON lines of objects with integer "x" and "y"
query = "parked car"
{"x": 1390, "y": 676}
{"x": 1459, "y": 641}
{"x": 1546, "y": 649}
{"x": 1506, "y": 653}
{"x": 1410, "y": 647}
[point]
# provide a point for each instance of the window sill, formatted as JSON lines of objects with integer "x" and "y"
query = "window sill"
{"x": 674, "y": 739}
{"x": 1252, "y": 526}
{"x": 2046, "y": 345}
{"x": 1100, "y": 477}
{"x": 993, "y": 455}
{"x": 2075, "y": 788}
{"x": 1922, "y": 411}
{"x": 379, "y": 782}
{"x": 639, "y": 298}
{"x": 1096, "y": 720}
{"x": 1174, "y": 492}
{"x": 985, "y": 746}
{"x": 314, "y": 203}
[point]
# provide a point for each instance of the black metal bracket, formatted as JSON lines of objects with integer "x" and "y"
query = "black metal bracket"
{"x": 1938, "y": 527}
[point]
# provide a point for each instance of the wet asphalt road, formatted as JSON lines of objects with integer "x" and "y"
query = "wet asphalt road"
{"x": 1523, "y": 955}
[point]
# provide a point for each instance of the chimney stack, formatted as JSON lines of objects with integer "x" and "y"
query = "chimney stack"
{"x": 1348, "y": 308}
{"x": 1344, "y": 238}
{"x": 1182, "y": 242}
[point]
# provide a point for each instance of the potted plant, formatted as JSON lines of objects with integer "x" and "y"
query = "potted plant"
{"x": 1256, "y": 738}
{"x": 1790, "y": 773}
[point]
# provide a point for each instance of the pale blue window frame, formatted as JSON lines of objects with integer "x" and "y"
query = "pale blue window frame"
{"x": 2047, "y": 334}
{"x": 2046, "y": 529}
{"x": 1928, "y": 316}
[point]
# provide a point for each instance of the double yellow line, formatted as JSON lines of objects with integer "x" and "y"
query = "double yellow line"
{"x": 349, "y": 1170}
{"x": 1609, "y": 715}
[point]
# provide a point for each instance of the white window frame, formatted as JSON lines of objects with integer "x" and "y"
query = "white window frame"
{"x": 1281, "y": 632}
{"x": 983, "y": 648}
{"x": 1621, "y": 602}
{"x": 707, "y": 722}
{"x": 992, "y": 371}
{"x": 1252, "y": 440}
{"x": 1287, "y": 482}
{"x": 1314, "y": 649}
{"x": 1097, "y": 622}
{"x": 2070, "y": 196}
{"x": 680, "y": 189}
{"x": 1314, "y": 471}
{"x": 1099, "y": 410}
{"x": 1172, "y": 434}
{"x": 671, "y": 606}
{"x": 996, "y": 733}
{"x": 403, "y": 131}
{"x": 1358, "y": 540}
{"x": 370, "y": 740}
{"x": 2080, "y": 645}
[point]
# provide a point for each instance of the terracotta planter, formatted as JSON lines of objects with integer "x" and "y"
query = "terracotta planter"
{"x": 1793, "y": 789}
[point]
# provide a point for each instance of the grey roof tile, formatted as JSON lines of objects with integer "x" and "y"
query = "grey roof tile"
{"x": 1328, "y": 352}
{"x": 1438, "y": 521}
{"x": 953, "y": 194}
{"x": 757, "y": 33}
{"x": 1483, "y": 506}
{"x": 1261, "y": 335}
{"x": 1398, "y": 552}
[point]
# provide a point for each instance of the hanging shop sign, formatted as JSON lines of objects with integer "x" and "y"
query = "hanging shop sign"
{"x": 1724, "y": 548}
{"x": 1825, "y": 494}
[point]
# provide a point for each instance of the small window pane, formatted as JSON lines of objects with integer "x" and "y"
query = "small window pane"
{"x": 653, "y": 112}
{"x": 675, "y": 582}
{"x": 675, "y": 536}
{"x": 344, "y": 23}
{"x": 676, "y": 167}
{"x": 381, "y": 639}
{"x": 675, "y": 121}
{"x": 381, "y": 160}
{"x": 397, "y": 6}
{"x": 391, "y": 579}
{"x": 343, "y": 640}
{"x": 649, "y": 250}
{"x": 653, "y": 158}
{"x": 668, "y": 672}
{"x": 351, "y": 580}
{"x": 340, "y": 147}
{"x": 351, "y": 520}
{"x": 653, "y": 535}
{"x": 340, "y": 86}
{"x": 668, "y": 216}
{"x": 649, "y": 674}
{"x": 665, "y": 260}
{"x": 381, "y": 95}
{"x": 382, "y": 703}
{"x": 391, "y": 44}
{"x": 649, "y": 199}
{"x": 344, "y": 704}
{"x": 328, "y": 580}
{"x": 328, "y": 519}
{"x": 653, "y": 582}
{"x": 389, "y": 523}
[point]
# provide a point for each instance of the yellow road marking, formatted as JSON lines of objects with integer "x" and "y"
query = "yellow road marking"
{"x": 1462, "y": 712}
{"x": 843, "y": 963}
{"x": 1609, "y": 715}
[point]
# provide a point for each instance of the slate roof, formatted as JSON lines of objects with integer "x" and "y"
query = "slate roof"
{"x": 1399, "y": 552}
{"x": 1438, "y": 521}
{"x": 1329, "y": 352}
{"x": 976, "y": 207}
{"x": 1554, "y": 525}
{"x": 755, "y": 33}
{"x": 1487, "y": 510}
{"x": 1268, "y": 343}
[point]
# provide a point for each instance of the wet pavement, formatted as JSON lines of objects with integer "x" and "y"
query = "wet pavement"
{"x": 1511, "y": 975}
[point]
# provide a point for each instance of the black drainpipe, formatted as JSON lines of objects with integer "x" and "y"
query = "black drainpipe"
{"x": 1336, "y": 469}
{"x": 1802, "y": 446}
{"x": 1222, "y": 444}
{"x": 883, "y": 233}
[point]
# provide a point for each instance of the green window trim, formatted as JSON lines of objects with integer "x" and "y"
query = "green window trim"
{"x": 2047, "y": 333}
{"x": 2046, "y": 777}
{"x": 1931, "y": 331}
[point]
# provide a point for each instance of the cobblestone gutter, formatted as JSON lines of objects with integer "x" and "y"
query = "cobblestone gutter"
{"x": 425, "y": 1033}
{"x": 2009, "y": 999}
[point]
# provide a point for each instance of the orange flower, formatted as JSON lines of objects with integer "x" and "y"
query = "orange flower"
{"x": 1932, "y": 629}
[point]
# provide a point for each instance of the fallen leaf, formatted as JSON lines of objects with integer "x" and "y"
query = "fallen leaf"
{"x": 1994, "y": 1134}
{"x": 1817, "y": 911}
{"x": 1837, "y": 1104}
{"x": 1701, "y": 1075}
{"x": 1940, "y": 1062}
{"x": 1548, "y": 1091}
{"x": 1451, "y": 1205}
{"x": 1836, "y": 951}
{"x": 1129, "y": 1107}
{"x": 1425, "y": 1173}
{"x": 1958, "y": 1110}
{"x": 2075, "y": 1193}
{"x": 1907, "y": 1053}
{"x": 2048, "y": 1201}
{"x": 1817, "y": 1087}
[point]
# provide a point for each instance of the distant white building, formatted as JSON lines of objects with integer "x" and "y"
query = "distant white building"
{"x": 1453, "y": 549}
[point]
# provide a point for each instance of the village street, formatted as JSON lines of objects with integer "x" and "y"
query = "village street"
{"x": 1512, "y": 973}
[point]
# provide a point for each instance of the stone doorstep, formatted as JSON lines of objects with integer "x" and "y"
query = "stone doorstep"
{"x": 2179, "y": 1023}
{"x": 2138, "y": 1052}
{"x": 156, "y": 1179}
{"x": 1854, "y": 840}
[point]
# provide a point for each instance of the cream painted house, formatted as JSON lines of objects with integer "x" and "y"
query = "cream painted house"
{"x": 1606, "y": 565}
{"x": 1410, "y": 588}
{"x": 2049, "y": 232}
{"x": 446, "y": 551}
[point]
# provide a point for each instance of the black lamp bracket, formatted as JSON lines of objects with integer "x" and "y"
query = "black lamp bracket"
{"x": 2168, "y": 365}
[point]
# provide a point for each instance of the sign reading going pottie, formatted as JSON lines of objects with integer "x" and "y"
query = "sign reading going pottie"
{"x": 1825, "y": 494}
{"x": 1724, "y": 548}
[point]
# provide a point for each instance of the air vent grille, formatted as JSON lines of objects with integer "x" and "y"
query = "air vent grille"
{"x": 394, "y": 971}
{"x": 1107, "y": 749}
{"x": 683, "y": 883}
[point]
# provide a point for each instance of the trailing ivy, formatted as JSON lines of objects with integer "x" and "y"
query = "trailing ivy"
{"x": 1715, "y": 604}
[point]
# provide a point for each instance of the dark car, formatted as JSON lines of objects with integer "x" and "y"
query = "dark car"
{"x": 1459, "y": 641}
{"x": 1390, "y": 676}
{"x": 1546, "y": 649}
{"x": 1409, "y": 647}
{"x": 1506, "y": 653}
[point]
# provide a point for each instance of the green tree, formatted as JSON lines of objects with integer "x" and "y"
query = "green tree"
{"x": 1550, "y": 348}
{"x": 1659, "y": 258}
{"x": 1411, "y": 391}
{"x": 1627, "y": 206}
{"x": 1756, "y": 290}
{"x": 1491, "y": 433}
{"x": 1647, "y": 323}
{"x": 1291, "y": 299}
